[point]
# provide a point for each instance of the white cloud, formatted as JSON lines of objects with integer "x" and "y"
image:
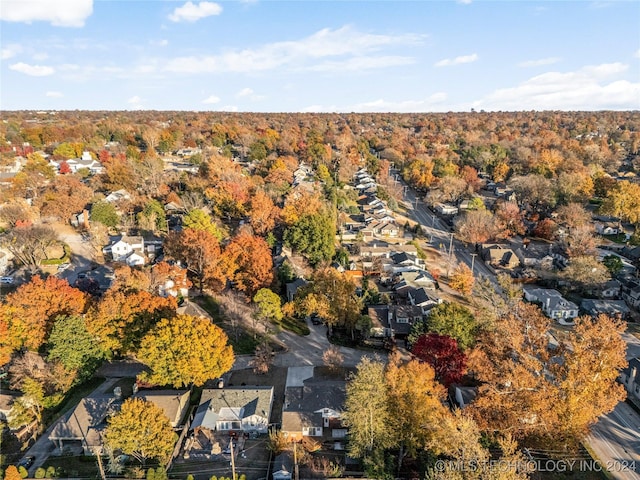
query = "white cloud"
{"x": 637, "y": 54}
{"x": 211, "y": 99}
{"x": 299, "y": 54}
{"x": 10, "y": 51}
{"x": 54, "y": 94}
{"x": 40, "y": 56}
{"x": 593, "y": 87}
{"x": 245, "y": 92}
{"x": 433, "y": 102}
{"x": 33, "y": 70}
{"x": 448, "y": 62}
{"x": 191, "y": 12}
{"x": 465, "y": 2}
{"x": 540, "y": 62}
{"x": 60, "y": 13}
{"x": 159, "y": 43}
{"x": 360, "y": 64}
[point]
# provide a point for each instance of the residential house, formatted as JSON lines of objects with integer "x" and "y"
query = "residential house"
{"x": 613, "y": 308}
{"x": 7, "y": 398}
{"x": 117, "y": 196}
{"x": 174, "y": 403}
{"x": 629, "y": 378}
{"x": 80, "y": 219}
{"x": 630, "y": 292}
{"x": 404, "y": 262}
{"x": 461, "y": 395}
{"x": 293, "y": 287}
{"x": 407, "y": 281}
{"x": 608, "y": 228}
{"x": 282, "y": 466}
{"x": 85, "y": 423}
{"x": 4, "y": 262}
{"x": 314, "y": 410}
{"x": 536, "y": 255}
{"x": 611, "y": 289}
{"x": 632, "y": 253}
{"x": 445, "y": 209}
{"x": 379, "y": 316}
{"x": 499, "y": 256}
{"x": 401, "y": 318}
{"x": 76, "y": 164}
{"x": 128, "y": 249}
{"x": 237, "y": 409}
{"x": 553, "y": 304}
{"x": 423, "y": 298}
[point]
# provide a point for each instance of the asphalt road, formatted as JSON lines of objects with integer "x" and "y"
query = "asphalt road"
{"x": 82, "y": 253}
{"x": 615, "y": 439}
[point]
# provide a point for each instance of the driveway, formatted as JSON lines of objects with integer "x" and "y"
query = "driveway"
{"x": 82, "y": 252}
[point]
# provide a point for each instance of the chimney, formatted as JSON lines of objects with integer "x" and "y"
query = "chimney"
{"x": 632, "y": 377}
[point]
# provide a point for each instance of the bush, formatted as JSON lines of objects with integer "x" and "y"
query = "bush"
{"x": 161, "y": 474}
{"x": 23, "y": 472}
{"x": 51, "y": 472}
{"x": 151, "y": 474}
{"x": 40, "y": 472}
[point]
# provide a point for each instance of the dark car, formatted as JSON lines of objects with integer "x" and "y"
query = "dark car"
{"x": 316, "y": 320}
{"x": 27, "y": 461}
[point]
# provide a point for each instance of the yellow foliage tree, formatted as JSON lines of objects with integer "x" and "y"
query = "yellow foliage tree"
{"x": 462, "y": 279}
{"x": 185, "y": 350}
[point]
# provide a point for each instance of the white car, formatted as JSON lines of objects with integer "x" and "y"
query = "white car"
{"x": 63, "y": 266}
{"x": 8, "y": 280}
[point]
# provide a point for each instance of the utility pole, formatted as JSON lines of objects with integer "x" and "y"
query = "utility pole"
{"x": 98, "y": 455}
{"x": 450, "y": 252}
{"x": 295, "y": 461}
{"x": 473, "y": 259}
{"x": 233, "y": 462}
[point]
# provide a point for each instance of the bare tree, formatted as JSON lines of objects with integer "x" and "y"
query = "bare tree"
{"x": 29, "y": 244}
{"x": 333, "y": 358}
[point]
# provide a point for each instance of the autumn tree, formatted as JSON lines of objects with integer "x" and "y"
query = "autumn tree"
{"x": 573, "y": 215}
{"x": 185, "y": 351}
{"x": 585, "y": 272}
{"x": 366, "y": 410}
{"x": 63, "y": 197}
{"x": 30, "y": 311}
{"x": 415, "y": 406}
{"x": 198, "y": 219}
{"x": 142, "y": 430}
{"x": 557, "y": 407}
{"x": 251, "y": 265}
{"x": 17, "y": 212}
{"x": 443, "y": 354}
{"x": 623, "y": 201}
{"x": 11, "y": 473}
{"x": 152, "y": 217}
{"x": 476, "y": 226}
{"x": 509, "y": 220}
{"x": 333, "y": 297}
{"x": 29, "y": 244}
{"x": 333, "y": 358}
{"x": 200, "y": 251}
{"x": 462, "y": 279}
{"x": 263, "y": 213}
{"x": 269, "y": 304}
{"x": 123, "y": 316}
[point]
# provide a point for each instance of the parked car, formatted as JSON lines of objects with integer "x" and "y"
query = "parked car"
{"x": 8, "y": 280}
{"x": 27, "y": 461}
{"x": 316, "y": 320}
{"x": 63, "y": 266}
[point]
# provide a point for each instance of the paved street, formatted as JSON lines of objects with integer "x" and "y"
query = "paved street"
{"x": 82, "y": 252}
{"x": 615, "y": 439}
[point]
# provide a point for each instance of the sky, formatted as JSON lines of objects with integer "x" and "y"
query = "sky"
{"x": 319, "y": 56}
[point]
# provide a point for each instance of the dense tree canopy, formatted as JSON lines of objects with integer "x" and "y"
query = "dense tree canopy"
{"x": 185, "y": 351}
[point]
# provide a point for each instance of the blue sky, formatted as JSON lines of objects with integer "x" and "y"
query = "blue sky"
{"x": 345, "y": 56}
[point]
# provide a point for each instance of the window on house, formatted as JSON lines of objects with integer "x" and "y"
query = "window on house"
{"x": 402, "y": 320}
{"x": 312, "y": 431}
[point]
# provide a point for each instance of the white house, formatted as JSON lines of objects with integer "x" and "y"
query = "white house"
{"x": 553, "y": 304}
{"x": 127, "y": 249}
{"x": 445, "y": 209}
{"x": 629, "y": 378}
{"x": 117, "y": 196}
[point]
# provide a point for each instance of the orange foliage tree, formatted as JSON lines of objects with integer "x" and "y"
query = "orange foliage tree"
{"x": 252, "y": 266}
{"x": 262, "y": 213}
{"x": 29, "y": 312}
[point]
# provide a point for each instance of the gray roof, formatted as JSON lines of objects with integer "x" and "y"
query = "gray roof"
{"x": 86, "y": 421}
{"x": 301, "y": 404}
{"x": 251, "y": 400}
{"x": 609, "y": 307}
{"x": 292, "y": 287}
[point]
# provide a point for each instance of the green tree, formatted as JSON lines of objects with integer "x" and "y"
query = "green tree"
{"x": 142, "y": 430}
{"x": 152, "y": 217}
{"x": 613, "y": 263}
{"x": 69, "y": 150}
{"x": 198, "y": 219}
{"x": 366, "y": 410}
{"x": 313, "y": 236}
{"x": 185, "y": 350}
{"x": 453, "y": 320}
{"x": 105, "y": 213}
{"x": 71, "y": 344}
{"x": 269, "y": 304}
